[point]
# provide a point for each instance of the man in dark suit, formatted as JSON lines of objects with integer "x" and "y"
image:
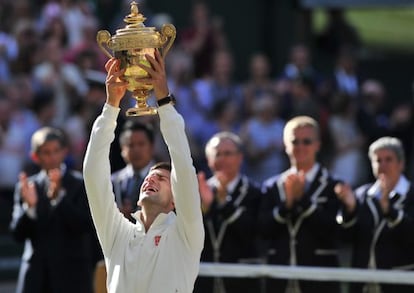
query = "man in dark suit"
{"x": 51, "y": 214}
{"x": 137, "y": 149}
{"x": 378, "y": 217}
{"x": 230, "y": 203}
{"x": 298, "y": 211}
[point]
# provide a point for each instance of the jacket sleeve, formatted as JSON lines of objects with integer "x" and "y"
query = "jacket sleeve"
{"x": 21, "y": 226}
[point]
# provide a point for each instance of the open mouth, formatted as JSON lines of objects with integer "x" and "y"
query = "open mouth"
{"x": 150, "y": 189}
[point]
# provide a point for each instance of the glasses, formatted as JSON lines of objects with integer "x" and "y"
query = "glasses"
{"x": 304, "y": 141}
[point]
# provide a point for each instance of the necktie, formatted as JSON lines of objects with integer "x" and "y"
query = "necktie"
{"x": 134, "y": 184}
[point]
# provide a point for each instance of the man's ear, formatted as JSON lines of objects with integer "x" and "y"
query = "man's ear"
{"x": 34, "y": 157}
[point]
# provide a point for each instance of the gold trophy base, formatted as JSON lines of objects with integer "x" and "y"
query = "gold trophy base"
{"x": 137, "y": 111}
{"x": 141, "y": 108}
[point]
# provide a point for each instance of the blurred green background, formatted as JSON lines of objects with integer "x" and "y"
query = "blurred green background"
{"x": 384, "y": 29}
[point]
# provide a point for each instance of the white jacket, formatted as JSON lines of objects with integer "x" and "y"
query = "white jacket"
{"x": 167, "y": 257}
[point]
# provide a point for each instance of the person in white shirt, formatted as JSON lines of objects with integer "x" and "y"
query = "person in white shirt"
{"x": 161, "y": 251}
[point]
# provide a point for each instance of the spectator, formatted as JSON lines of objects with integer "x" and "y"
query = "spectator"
{"x": 229, "y": 200}
{"x": 372, "y": 116}
{"x": 52, "y": 217}
{"x": 300, "y": 65}
{"x": 221, "y": 98}
{"x": 221, "y": 87}
{"x": 348, "y": 162}
{"x": 8, "y": 52}
{"x": 180, "y": 69}
{"x": 262, "y": 136}
{"x": 137, "y": 150}
{"x": 379, "y": 217}
{"x": 15, "y": 132}
{"x": 64, "y": 78}
{"x": 401, "y": 127}
{"x": 258, "y": 83}
{"x": 338, "y": 33}
{"x": 28, "y": 44}
{"x": 346, "y": 76}
{"x": 298, "y": 210}
{"x": 202, "y": 38}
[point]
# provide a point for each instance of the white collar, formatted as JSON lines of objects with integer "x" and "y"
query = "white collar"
{"x": 62, "y": 168}
{"x": 310, "y": 175}
{"x": 402, "y": 187}
{"x": 231, "y": 186}
{"x": 142, "y": 172}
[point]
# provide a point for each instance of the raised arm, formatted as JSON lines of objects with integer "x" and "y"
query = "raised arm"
{"x": 96, "y": 165}
{"x": 183, "y": 176}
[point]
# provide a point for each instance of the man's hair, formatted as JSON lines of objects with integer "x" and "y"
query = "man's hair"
{"x": 388, "y": 143}
{"x": 131, "y": 126}
{"x": 298, "y": 122}
{"x": 162, "y": 165}
{"x": 46, "y": 134}
{"x": 223, "y": 135}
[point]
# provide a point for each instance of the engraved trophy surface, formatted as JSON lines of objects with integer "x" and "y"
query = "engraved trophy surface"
{"x": 130, "y": 45}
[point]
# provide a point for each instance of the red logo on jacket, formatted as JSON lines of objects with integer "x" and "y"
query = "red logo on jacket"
{"x": 157, "y": 240}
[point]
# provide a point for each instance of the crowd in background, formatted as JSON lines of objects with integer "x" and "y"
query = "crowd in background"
{"x": 52, "y": 74}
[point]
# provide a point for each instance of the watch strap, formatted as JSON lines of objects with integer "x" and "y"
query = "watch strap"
{"x": 170, "y": 99}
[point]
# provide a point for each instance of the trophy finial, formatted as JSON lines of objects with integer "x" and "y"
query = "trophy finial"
{"x": 134, "y": 8}
{"x": 134, "y": 18}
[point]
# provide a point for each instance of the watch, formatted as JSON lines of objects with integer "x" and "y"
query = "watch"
{"x": 170, "y": 99}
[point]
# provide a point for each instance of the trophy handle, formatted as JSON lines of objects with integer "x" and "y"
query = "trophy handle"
{"x": 168, "y": 33}
{"x": 103, "y": 37}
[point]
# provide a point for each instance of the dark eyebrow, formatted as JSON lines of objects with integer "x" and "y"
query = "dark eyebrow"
{"x": 161, "y": 176}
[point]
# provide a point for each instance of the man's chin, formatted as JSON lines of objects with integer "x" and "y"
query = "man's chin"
{"x": 144, "y": 198}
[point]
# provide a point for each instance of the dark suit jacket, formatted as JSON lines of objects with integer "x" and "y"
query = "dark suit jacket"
{"x": 306, "y": 235}
{"x": 59, "y": 249}
{"x": 121, "y": 179}
{"x": 391, "y": 235}
{"x": 231, "y": 227}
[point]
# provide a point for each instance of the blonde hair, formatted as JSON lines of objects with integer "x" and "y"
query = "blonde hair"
{"x": 298, "y": 122}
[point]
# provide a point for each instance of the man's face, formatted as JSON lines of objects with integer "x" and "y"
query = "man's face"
{"x": 138, "y": 150}
{"x": 50, "y": 155}
{"x": 225, "y": 158}
{"x": 386, "y": 163}
{"x": 302, "y": 146}
{"x": 156, "y": 190}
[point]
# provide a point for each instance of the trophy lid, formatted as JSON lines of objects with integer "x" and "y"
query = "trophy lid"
{"x": 135, "y": 35}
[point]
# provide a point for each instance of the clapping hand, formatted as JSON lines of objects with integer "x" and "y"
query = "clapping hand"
{"x": 386, "y": 187}
{"x": 28, "y": 190}
{"x": 345, "y": 194}
{"x": 206, "y": 193}
{"x": 294, "y": 188}
{"x": 55, "y": 176}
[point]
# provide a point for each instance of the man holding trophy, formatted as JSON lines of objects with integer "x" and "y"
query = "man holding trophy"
{"x": 161, "y": 252}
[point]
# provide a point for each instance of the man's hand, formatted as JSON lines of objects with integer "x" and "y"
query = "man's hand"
{"x": 345, "y": 194}
{"x": 206, "y": 193}
{"x": 224, "y": 181}
{"x": 386, "y": 187}
{"x": 115, "y": 86}
{"x": 157, "y": 75}
{"x": 55, "y": 177}
{"x": 294, "y": 188}
{"x": 28, "y": 190}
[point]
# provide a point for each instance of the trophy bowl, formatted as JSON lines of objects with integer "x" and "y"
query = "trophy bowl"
{"x": 130, "y": 45}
